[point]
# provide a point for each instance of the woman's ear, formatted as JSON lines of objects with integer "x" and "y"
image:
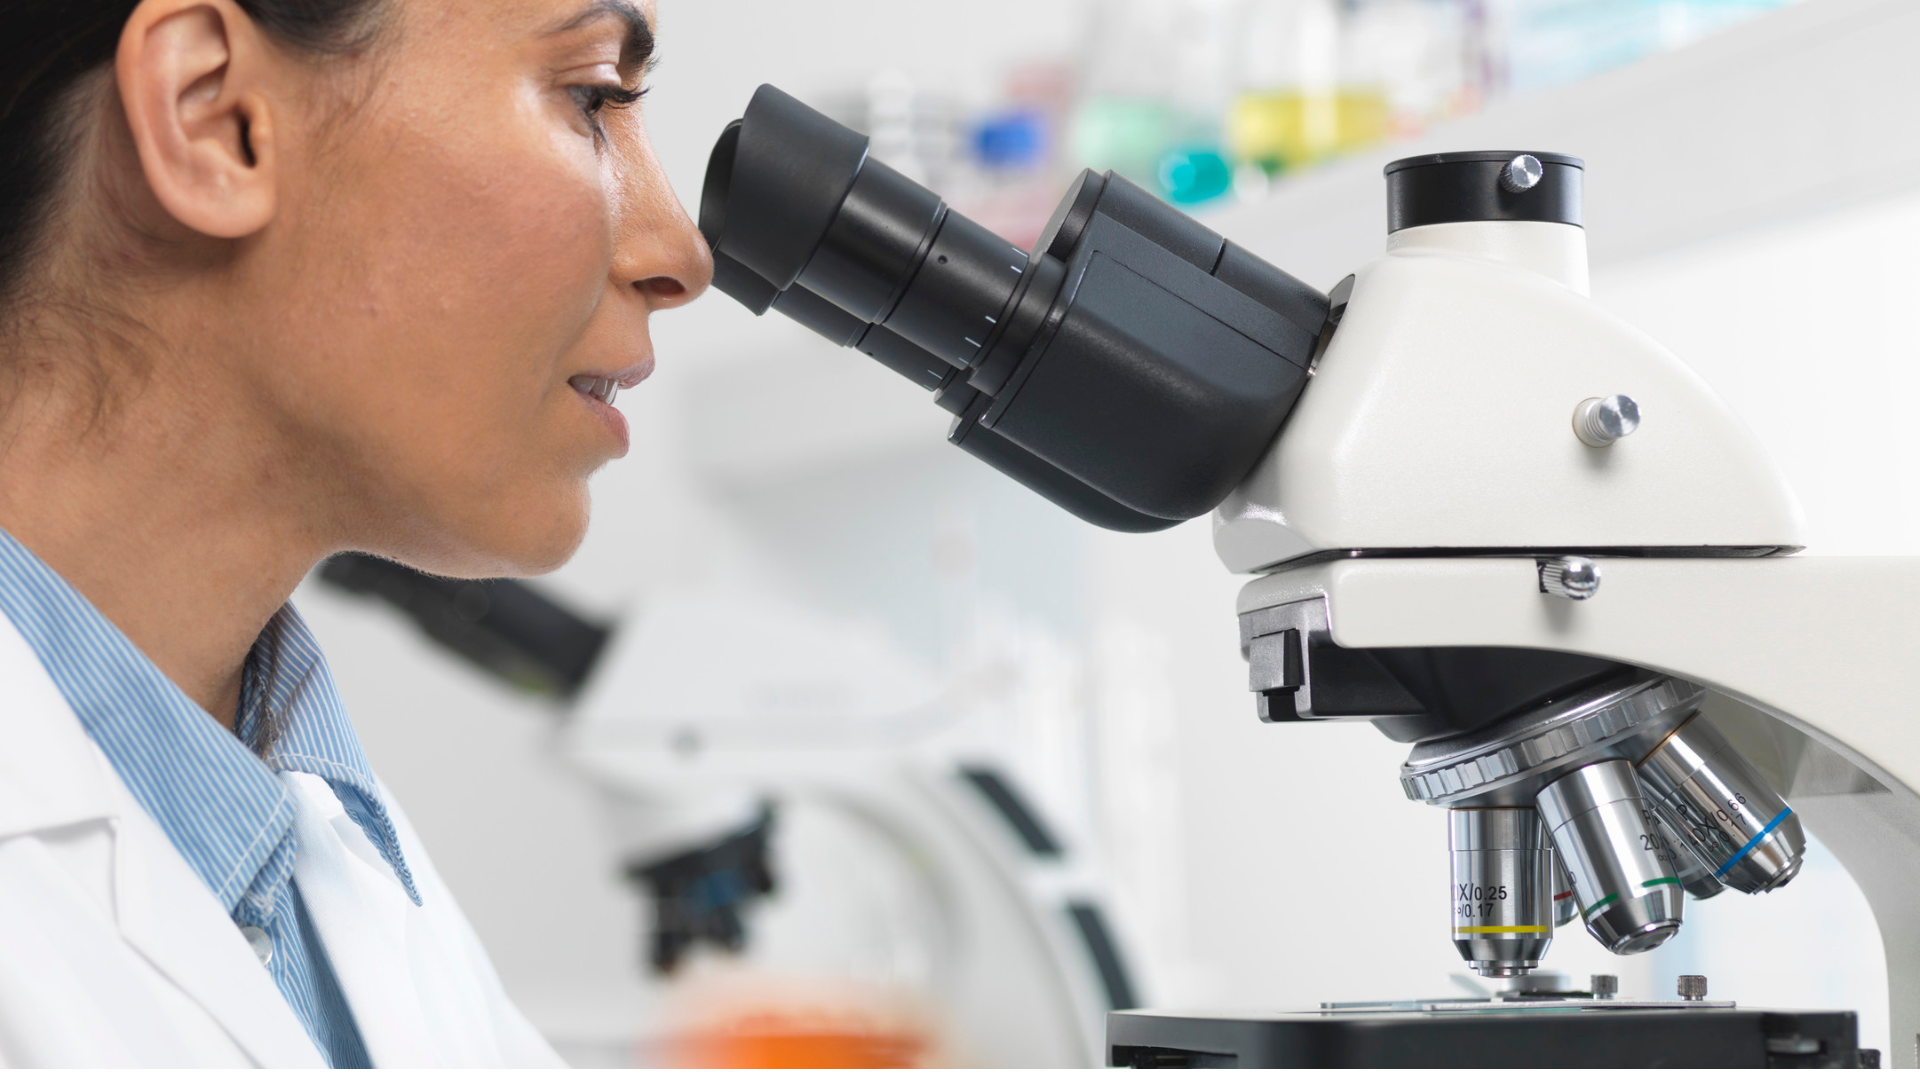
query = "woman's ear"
{"x": 192, "y": 79}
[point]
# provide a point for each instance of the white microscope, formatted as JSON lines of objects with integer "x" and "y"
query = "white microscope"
{"x": 903, "y": 846}
{"x": 831, "y": 820}
{"x": 1489, "y": 517}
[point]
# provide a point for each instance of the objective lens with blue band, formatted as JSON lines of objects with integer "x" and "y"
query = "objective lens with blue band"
{"x": 1716, "y": 804}
{"x": 1726, "y": 867}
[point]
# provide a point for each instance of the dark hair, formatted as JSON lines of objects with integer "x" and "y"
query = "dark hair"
{"x": 51, "y": 45}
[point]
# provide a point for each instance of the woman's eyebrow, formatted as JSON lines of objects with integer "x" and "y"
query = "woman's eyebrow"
{"x": 638, "y": 49}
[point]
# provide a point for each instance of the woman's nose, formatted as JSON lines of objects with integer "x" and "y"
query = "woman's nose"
{"x": 660, "y": 251}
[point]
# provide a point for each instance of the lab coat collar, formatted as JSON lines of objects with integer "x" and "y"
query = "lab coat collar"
{"x": 50, "y": 772}
{"x": 166, "y": 912}
{"x": 52, "y": 776}
{"x": 365, "y": 918}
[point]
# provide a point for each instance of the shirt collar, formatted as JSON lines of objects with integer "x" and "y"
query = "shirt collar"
{"x": 219, "y": 803}
{"x": 292, "y": 708}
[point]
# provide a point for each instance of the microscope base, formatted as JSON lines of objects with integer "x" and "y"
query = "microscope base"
{"x": 1612, "y": 1038}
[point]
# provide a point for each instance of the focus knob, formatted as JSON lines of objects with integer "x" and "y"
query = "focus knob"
{"x": 1522, "y": 173}
{"x": 1575, "y": 577}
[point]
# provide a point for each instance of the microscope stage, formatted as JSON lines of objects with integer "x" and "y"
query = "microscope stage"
{"x": 1576, "y": 1035}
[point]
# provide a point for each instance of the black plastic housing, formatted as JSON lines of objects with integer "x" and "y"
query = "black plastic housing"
{"x": 508, "y": 628}
{"x": 1150, "y": 378}
{"x": 1434, "y": 692}
{"x": 1132, "y": 369}
{"x": 1437, "y": 189}
{"x": 1554, "y": 1038}
{"x": 701, "y": 894}
{"x": 929, "y": 372}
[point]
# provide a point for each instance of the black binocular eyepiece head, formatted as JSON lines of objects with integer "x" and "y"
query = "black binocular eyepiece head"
{"x": 1132, "y": 368}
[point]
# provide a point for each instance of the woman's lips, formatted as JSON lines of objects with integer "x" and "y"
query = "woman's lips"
{"x": 605, "y": 388}
{"x": 600, "y": 392}
{"x": 601, "y": 388}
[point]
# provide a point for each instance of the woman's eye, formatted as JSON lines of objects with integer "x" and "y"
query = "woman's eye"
{"x": 593, "y": 99}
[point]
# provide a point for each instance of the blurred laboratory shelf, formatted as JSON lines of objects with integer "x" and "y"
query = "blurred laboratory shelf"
{"x": 1792, "y": 114}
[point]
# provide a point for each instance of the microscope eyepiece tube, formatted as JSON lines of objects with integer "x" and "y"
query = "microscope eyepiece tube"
{"x": 1717, "y": 806}
{"x": 1615, "y": 855}
{"x": 1502, "y": 906}
{"x": 1135, "y": 356}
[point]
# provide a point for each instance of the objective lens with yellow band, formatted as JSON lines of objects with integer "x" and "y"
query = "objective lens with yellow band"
{"x": 1502, "y": 892}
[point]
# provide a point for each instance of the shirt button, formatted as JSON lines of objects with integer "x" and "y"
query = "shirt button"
{"x": 261, "y": 941}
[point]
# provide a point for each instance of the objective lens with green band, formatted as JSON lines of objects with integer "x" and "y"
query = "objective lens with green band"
{"x": 1600, "y": 903}
{"x": 1617, "y": 857}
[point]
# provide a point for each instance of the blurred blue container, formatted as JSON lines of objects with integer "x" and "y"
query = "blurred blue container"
{"x": 1014, "y": 141}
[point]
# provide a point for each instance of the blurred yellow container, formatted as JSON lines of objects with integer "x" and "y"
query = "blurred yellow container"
{"x": 1286, "y": 129}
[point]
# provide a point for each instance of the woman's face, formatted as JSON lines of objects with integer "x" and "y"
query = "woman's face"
{"x": 462, "y": 264}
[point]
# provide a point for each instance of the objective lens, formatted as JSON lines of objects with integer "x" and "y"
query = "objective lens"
{"x": 1565, "y": 910}
{"x": 1616, "y": 857}
{"x": 1716, "y": 804}
{"x": 1502, "y": 911}
{"x": 1694, "y": 875}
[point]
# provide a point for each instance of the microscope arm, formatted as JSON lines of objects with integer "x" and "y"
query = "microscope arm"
{"x": 1811, "y": 655}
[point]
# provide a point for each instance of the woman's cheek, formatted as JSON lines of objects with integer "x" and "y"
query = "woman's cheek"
{"x": 534, "y": 274}
{"x": 485, "y": 258}
{"x": 568, "y": 257}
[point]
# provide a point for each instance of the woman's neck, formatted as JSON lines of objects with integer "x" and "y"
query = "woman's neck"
{"x": 153, "y": 495}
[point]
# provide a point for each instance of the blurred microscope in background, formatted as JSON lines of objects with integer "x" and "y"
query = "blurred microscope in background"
{"x": 929, "y": 913}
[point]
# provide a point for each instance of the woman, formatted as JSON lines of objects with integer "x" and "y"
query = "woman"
{"x": 278, "y": 279}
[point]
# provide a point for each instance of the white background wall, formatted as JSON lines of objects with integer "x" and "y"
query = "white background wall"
{"x": 1252, "y": 865}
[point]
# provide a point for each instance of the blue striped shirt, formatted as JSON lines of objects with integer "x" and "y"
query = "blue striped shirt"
{"x": 219, "y": 799}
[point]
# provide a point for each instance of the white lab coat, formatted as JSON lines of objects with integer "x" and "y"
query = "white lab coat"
{"x": 113, "y": 952}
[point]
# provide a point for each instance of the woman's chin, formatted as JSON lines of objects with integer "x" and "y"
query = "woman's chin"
{"x": 520, "y": 541}
{"x": 533, "y": 551}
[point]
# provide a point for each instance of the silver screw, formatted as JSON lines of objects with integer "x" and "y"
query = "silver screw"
{"x": 1693, "y": 988}
{"x": 1574, "y": 577}
{"x": 1605, "y": 987}
{"x": 1604, "y": 421}
{"x": 1521, "y": 174}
